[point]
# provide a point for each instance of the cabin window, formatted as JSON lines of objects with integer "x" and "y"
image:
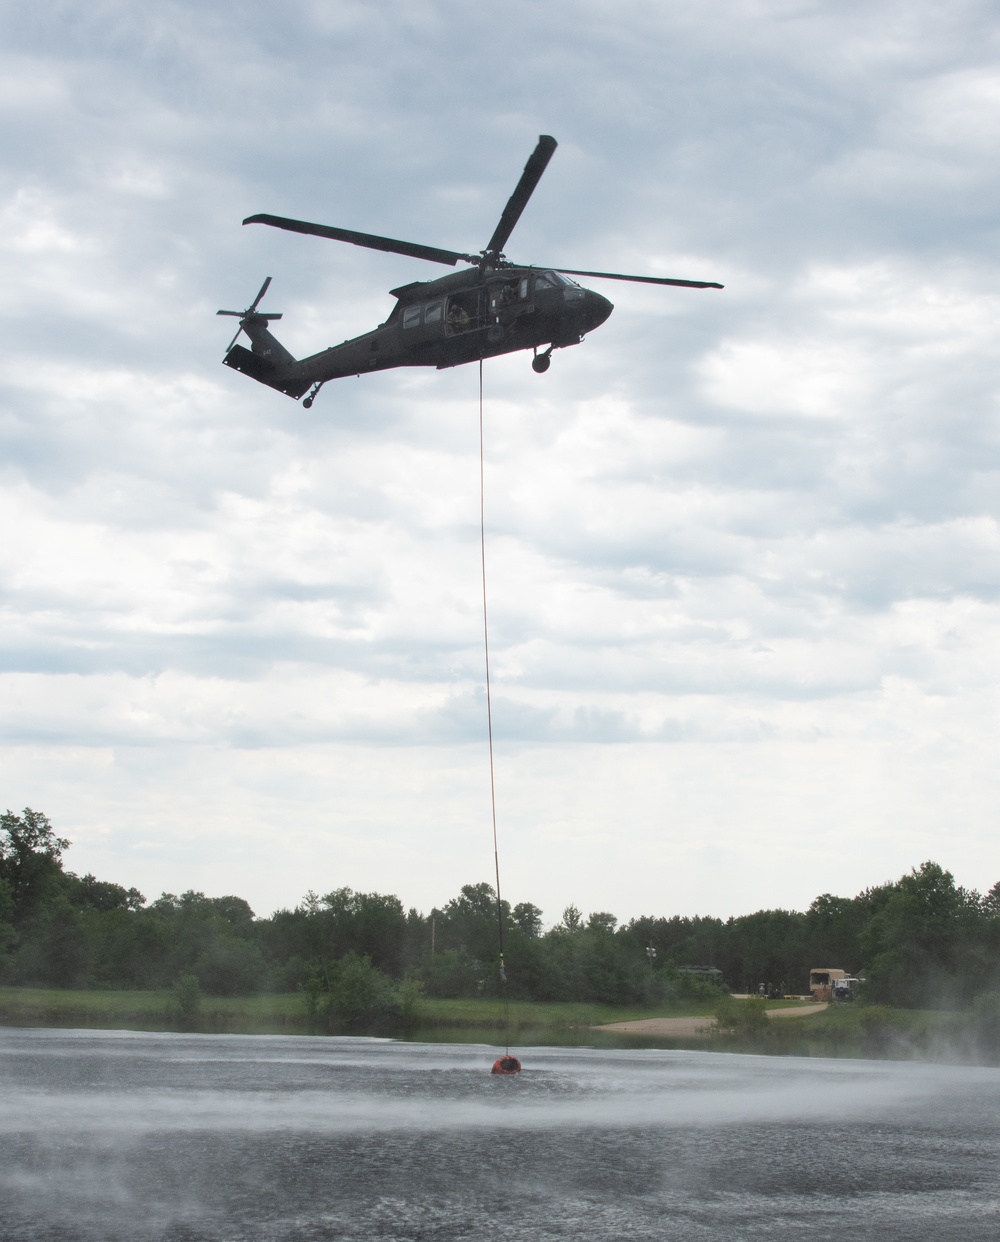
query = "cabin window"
{"x": 523, "y": 289}
{"x": 411, "y": 316}
{"x": 463, "y": 312}
{"x": 433, "y": 312}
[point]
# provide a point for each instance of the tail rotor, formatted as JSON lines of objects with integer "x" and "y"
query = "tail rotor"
{"x": 251, "y": 312}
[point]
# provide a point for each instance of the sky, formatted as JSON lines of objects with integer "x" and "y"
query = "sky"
{"x": 742, "y": 545}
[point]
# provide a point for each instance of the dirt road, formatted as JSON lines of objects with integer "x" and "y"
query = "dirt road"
{"x": 694, "y": 1026}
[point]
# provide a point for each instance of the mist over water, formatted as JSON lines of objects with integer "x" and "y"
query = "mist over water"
{"x": 121, "y": 1135}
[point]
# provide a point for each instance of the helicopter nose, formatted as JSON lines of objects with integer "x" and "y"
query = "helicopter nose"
{"x": 598, "y": 309}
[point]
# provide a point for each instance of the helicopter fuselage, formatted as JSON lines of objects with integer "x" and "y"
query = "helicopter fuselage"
{"x": 462, "y": 317}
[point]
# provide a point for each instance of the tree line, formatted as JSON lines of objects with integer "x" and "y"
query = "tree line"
{"x": 920, "y": 941}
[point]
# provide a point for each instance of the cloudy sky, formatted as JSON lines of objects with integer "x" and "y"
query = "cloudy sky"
{"x": 742, "y": 545}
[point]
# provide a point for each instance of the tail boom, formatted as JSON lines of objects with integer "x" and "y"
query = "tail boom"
{"x": 268, "y": 362}
{"x": 274, "y": 375}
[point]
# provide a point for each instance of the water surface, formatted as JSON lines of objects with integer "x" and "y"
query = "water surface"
{"x": 126, "y": 1135}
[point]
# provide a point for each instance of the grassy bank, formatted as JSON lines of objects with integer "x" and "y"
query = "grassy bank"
{"x": 552, "y": 1023}
{"x": 566, "y": 1014}
{"x": 475, "y": 1019}
{"x": 151, "y": 1011}
{"x": 875, "y": 1031}
{"x": 843, "y": 1030}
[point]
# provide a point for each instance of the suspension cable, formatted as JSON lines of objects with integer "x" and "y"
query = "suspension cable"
{"x": 489, "y": 710}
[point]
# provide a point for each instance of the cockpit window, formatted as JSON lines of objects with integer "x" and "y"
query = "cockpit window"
{"x": 554, "y": 280}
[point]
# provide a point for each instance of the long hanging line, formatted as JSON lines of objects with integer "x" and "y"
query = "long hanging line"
{"x": 489, "y": 712}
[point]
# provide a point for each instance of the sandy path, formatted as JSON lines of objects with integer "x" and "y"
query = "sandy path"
{"x": 694, "y": 1026}
{"x": 804, "y": 1012}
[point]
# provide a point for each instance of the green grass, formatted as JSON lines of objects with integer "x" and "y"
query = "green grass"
{"x": 842, "y": 1030}
{"x": 478, "y": 1018}
{"x": 148, "y": 1010}
{"x": 868, "y": 1031}
{"x": 489, "y": 1012}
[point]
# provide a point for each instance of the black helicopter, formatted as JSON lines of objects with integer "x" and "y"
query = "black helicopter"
{"x": 493, "y": 307}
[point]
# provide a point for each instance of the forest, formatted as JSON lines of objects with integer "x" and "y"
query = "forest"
{"x": 920, "y": 942}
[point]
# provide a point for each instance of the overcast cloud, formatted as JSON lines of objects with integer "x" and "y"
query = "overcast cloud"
{"x": 743, "y": 545}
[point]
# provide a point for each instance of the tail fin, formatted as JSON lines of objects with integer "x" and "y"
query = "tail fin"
{"x": 265, "y": 371}
{"x": 268, "y": 361}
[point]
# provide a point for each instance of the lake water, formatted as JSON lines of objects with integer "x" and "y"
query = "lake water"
{"x": 122, "y": 1135}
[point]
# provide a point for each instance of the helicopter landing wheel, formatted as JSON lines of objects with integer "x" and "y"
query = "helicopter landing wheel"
{"x": 307, "y": 403}
{"x": 541, "y": 362}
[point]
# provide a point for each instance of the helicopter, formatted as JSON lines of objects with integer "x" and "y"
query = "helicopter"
{"x": 491, "y": 307}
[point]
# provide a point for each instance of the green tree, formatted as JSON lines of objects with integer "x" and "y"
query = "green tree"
{"x": 187, "y": 997}
{"x": 833, "y": 931}
{"x": 30, "y": 854}
{"x": 203, "y": 935}
{"x": 373, "y": 925}
{"x": 770, "y": 948}
{"x": 127, "y": 948}
{"x": 469, "y": 922}
{"x": 94, "y": 894}
{"x": 321, "y": 930}
{"x": 527, "y": 918}
{"x": 927, "y": 947}
{"x": 8, "y": 936}
{"x": 452, "y": 972}
{"x": 361, "y": 995}
{"x": 681, "y": 941}
{"x": 54, "y": 949}
{"x": 230, "y": 966}
{"x": 571, "y": 922}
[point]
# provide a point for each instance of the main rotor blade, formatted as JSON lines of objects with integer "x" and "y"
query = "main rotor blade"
{"x": 517, "y": 202}
{"x": 642, "y": 280}
{"x": 371, "y": 240}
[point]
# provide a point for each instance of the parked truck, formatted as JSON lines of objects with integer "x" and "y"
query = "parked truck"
{"x": 843, "y": 989}
{"x": 823, "y": 980}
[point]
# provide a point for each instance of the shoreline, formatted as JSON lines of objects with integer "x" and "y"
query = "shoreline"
{"x": 693, "y": 1027}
